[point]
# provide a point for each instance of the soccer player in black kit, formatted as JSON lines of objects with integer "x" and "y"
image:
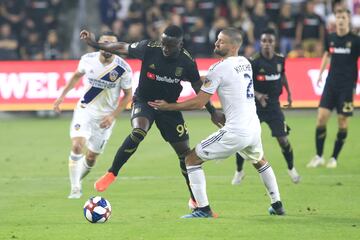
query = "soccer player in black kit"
{"x": 269, "y": 79}
{"x": 344, "y": 48}
{"x": 164, "y": 64}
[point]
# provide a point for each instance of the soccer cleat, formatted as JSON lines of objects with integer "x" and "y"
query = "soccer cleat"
{"x": 332, "y": 163}
{"x": 316, "y": 162}
{"x": 104, "y": 182}
{"x": 295, "y": 177}
{"x": 201, "y": 214}
{"x": 192, "y": 204}
{"x": 238, "y": 177}
{"x": 277, "y": 209}
{"x": 75, "y": 193}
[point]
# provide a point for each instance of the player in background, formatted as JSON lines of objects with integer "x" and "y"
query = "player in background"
{"x": 269, "y": 80}
{"x": 231, "y": 77}
{"x": 343, "y": 47}
{"x": 94, "y": 116}
{"x": 165, "y": 64}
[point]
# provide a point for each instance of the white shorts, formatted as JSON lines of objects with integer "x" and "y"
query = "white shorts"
{"x": 223, "y": 144}
{"x": 86, "y": 125}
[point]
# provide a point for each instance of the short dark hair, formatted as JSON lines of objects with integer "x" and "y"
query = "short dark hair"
{"x": 107, "y": 33}
{"x": 269, "y": 31}
{"x": 234, "y": 34}
{"x": 174, "y": 31}
{"x": 342, "y": 10}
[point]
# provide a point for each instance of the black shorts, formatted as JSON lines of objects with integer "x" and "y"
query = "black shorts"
{"x": 170, "y": 123}
{"x": 275, "y": 119}
{"x": 341, "y": 99}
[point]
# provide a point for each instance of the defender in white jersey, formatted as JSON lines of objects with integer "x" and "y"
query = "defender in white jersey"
{"x": 232, "y": 79}
{"x": 105, "y": 76}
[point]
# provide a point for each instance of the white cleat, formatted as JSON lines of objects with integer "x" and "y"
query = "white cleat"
{"x": 332, "y": 163}
{"x": 295, "y": 177}
{"x": 316, "y": 162}
{"x": 75, "y": 193}
{"x": 238, "y": 177}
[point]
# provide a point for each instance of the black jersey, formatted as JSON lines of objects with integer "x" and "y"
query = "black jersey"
{"x": 160, "y": 76}
{"x": 267, "y": 75}
{"x": 344, "y": 52}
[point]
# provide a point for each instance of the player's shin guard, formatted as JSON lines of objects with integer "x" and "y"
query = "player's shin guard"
{"x": 74, "y": 174}
{"x": 127, "y": 149}
{"x": 320, "y": 136}
{"x": 268, "y": 177}
{"x": 239, "y": 162}
{"x": 185, "y": 174}
{"x": 288, "y": 154}
{"x": 339, "y": 142}
{"x": 198, "y": 185}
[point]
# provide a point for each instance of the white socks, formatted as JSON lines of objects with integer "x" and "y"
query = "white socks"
{"x": 74, "y": 174}
{"x": 84, "y": 168}
{"x": 268, "y": 177}
{"x": 198, "y": 184}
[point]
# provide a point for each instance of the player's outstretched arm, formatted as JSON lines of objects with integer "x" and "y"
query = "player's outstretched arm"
{"x": 194, "y": 103}
{"x": 116, "y": 48}
{"x": 217, "y": 117}
{"x": 70, "y": 85}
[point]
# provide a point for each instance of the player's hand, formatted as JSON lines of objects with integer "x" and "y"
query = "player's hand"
{"x": 57, "y": 103}
{"x": 218, "y": 118}
{"x": 107, "y": 121}
{"x": 262, "y": 98}
{"x": 87, "y": 36}
{"x": 289, "y": 105}
{"x": 159, "y": 105}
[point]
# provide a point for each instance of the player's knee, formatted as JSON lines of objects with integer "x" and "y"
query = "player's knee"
{"x": 182, "y": 155}
{"x": 192, "y": 159}
{"x": 138, "y": 134}
{"x": 77, "y": 148}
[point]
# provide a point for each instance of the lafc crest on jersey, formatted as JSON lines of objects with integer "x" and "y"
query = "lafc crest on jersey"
{"x": 178, "y": 71}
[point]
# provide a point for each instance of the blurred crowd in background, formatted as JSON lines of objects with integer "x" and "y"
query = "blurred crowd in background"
{"x": 29, "y": 29}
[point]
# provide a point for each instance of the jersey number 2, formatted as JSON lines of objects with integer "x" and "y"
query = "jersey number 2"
{"x": 249, "y": 88}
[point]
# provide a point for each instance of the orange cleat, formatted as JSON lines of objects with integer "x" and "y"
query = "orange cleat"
{"x": 104, "y": 182}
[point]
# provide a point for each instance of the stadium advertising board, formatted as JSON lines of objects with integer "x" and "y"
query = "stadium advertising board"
{"x": 34, "y": 85}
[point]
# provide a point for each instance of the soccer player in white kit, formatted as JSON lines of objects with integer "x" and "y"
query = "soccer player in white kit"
{"x": 241, "y": 132}
{"x": 106, "y": 75}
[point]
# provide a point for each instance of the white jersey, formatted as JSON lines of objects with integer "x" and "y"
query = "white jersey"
{"x": 103, "y": 83}
{"x": 232, "y": 79}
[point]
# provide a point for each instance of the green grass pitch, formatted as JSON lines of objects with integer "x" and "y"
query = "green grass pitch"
{"x": 150, "y": 195}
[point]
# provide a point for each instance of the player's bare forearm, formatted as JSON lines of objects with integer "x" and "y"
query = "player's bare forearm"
{"x": 192, "y": 104}
{"x": 116, "y": 48}
{"x": 71, "y": 84}
{"x": 197, "y": 86}
{"x": 123, "y": 102}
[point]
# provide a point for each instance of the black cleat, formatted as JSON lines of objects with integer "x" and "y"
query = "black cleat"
{"x": 277, "y": 209}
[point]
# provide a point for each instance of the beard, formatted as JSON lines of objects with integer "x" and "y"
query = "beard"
{"x": 106, "y": 55}
{"x": 221, "y": 53}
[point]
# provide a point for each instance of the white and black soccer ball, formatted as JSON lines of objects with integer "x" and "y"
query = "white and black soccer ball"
{"x": 97, "y": 210}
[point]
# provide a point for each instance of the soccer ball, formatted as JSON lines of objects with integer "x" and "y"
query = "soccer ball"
{"x": 97, "y": 210}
